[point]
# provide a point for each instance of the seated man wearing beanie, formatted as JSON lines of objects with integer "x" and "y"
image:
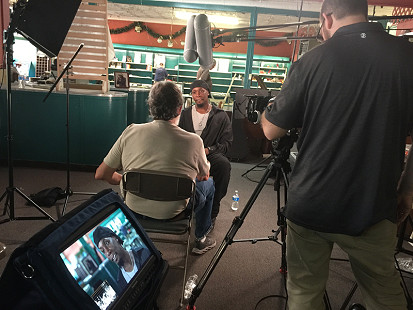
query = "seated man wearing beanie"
{"x": 111, "y": 245}
{"x": 162, "y": 146}
{"x": 214, "y": 127}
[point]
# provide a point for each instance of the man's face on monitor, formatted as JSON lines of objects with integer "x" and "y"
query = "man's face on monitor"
{"x": 112, "y": 249}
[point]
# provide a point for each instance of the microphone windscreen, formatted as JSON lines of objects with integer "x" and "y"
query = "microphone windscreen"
{"x": 203, "y": 40}
{"x": 190, "y": 53}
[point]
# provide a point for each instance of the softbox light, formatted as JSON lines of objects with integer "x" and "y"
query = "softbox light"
{"x": 45, "y": 23}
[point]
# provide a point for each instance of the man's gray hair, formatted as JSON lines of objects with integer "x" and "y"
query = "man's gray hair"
{"x": 165, "y": 98}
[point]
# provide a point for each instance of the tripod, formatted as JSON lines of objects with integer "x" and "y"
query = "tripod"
{"x": 281, "y": 167}
{"x": 68, "y": 189}
{"x": 11, "y": 189}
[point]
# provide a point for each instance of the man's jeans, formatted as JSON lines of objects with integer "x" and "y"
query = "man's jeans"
{"x": 204, "y": 198}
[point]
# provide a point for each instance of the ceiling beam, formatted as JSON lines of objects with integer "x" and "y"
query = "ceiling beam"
{"x": 394, "y": 3}
{"x": 226, "y": 8}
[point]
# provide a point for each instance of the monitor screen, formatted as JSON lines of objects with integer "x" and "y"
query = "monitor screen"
{"x": 95, "y": 257}
{"x": 108, "y": 258}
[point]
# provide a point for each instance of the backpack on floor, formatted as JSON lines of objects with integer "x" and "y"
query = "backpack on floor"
{"x": 48, "y": 196}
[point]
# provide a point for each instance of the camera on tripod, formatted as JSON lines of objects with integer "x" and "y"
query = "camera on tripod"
{"x": 256, "y": 106}
{"x": 280, "y": 147}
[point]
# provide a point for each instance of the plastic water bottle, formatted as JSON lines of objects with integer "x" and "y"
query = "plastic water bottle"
{"x": 190, "y": 285}
{"x": 235, "y": 201}
{"x": 21, "y": 81}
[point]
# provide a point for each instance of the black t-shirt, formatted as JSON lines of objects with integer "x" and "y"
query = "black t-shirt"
{"x": 353, "y": 98}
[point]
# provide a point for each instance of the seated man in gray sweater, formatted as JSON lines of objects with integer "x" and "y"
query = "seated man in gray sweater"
{"x": 162, "y": 146}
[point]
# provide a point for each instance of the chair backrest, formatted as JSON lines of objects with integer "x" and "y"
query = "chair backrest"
{"x": 156, "y": 185}
{"x": 164, "y": 186}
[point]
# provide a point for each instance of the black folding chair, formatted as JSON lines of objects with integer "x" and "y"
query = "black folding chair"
{"x": 163, "y": 186}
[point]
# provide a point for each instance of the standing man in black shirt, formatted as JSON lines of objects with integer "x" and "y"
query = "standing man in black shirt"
{"x": 352, "y": 98}
{"x": 214, "y": 127}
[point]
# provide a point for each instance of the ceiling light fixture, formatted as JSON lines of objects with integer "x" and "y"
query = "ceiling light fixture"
{"x": 219, "y": 19}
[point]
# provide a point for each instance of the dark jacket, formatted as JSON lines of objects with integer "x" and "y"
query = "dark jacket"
{"x": 217, "y": 134}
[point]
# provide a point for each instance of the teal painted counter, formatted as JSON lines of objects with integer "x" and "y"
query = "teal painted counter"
{"x": 39, "y": 128}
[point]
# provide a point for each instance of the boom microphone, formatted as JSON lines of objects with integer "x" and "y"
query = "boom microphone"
{"x": 190, "y": 53}
{"x": 203, "y": 40}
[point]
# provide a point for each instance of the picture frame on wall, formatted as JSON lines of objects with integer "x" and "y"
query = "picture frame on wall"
{"x": 121, "y": 79}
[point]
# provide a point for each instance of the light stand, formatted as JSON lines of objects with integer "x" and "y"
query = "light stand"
{"x": 11, "y": 189}
{"x": 68, "y": 190}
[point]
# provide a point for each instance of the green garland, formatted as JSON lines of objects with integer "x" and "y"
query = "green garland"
{"x": 139, "y": 26}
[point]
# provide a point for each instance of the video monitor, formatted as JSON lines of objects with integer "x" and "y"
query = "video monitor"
{"x": 97, "y": 256}
{"x": 105, "y": 259}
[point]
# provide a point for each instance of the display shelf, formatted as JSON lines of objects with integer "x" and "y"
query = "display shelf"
{"x": 272, "y": 70}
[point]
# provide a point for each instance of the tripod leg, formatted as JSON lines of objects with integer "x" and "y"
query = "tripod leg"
{"x": 68, "y": 193}
{"x": 402, "y": 232}
{"x": 6, "y": 204}
{"x": 257, "y": 165}
{"x": 281, "y": 222}
{"x": 349, "y": 296}
{"x": 236, "y": 224}
{"x": 34, "y": 204}
{"x": 327, "y": 303}
{"x": 4, "y": 195}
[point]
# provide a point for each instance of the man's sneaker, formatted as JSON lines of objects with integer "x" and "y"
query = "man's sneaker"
{"x": 205, "y": 246}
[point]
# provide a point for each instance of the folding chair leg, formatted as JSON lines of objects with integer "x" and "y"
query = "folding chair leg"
{"x": 185, "y": 270}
